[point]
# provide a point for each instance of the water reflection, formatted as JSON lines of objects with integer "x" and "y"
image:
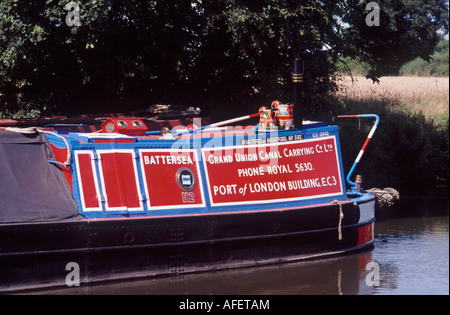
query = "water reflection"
{"x": 413, "y": 254}
{"x": 334, "y": 276}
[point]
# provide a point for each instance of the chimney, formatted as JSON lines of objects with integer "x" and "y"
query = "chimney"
{"x": 297, "y": 90}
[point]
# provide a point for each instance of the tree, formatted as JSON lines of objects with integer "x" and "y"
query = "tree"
{"x": 129, "y": 54}
{"x": 121, "y": 52}
{"x": 408, "y": 29}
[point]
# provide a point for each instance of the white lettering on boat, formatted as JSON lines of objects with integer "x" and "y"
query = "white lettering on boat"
{"x": 167, "y": 159}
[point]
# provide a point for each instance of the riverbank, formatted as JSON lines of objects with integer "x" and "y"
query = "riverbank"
{"x": 410, "y": 150}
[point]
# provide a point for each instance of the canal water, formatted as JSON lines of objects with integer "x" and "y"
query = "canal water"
{"x": 410, "y": 257}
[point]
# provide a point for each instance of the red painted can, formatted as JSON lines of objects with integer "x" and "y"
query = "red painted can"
{"x": 266, "y": 118}
{"x": 284, "y": 115}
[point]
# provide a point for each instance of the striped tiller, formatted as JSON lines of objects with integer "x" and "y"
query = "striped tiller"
{"x": 366, "y": 143}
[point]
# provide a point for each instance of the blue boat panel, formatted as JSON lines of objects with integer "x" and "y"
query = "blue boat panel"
{"x": 226, "y": 171}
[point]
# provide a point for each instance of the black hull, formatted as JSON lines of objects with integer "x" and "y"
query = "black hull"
{"x": 35, "y": 255}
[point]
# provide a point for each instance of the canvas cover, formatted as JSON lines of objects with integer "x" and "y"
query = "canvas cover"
{"x": 31, "y": 188}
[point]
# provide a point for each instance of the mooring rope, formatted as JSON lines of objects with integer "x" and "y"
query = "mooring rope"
{"x": 341, "y": 216}
{"x": 69, "y": 154}
{"x": 26, "y": 131}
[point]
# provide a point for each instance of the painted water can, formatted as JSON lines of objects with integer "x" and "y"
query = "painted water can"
{"x": 284, "y": 115}
{"x": 266, "y": 118}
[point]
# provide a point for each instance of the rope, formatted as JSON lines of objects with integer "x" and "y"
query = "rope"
{"x": 32, "y": 130}
{"x": 341, "y": 216}
{"x": 27, "y": 131}
{"x": 386, "y": 198}
{"x": 69, "y": 154}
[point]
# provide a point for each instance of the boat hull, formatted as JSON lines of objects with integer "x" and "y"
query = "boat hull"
{"x": 40, "y": 255}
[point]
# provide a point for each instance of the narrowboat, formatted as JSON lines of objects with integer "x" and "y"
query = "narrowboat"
{"x": 125, "y": 202}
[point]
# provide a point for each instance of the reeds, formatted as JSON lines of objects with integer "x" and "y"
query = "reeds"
{"x": 426, "y": 95}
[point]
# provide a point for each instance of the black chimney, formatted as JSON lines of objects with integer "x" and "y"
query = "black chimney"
{"x": 297, "y": 89}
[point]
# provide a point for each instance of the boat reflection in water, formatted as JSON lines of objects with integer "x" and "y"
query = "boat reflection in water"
{"x": 343, "y": 275}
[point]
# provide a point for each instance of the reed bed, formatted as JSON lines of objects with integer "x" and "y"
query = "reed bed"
{"x": 426, "y": 95}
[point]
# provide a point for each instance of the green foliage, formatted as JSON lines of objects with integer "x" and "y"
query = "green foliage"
{"x": 351, "y": 66}
{"x": 438, "y": 65}
{"x": 236, "y": 54}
